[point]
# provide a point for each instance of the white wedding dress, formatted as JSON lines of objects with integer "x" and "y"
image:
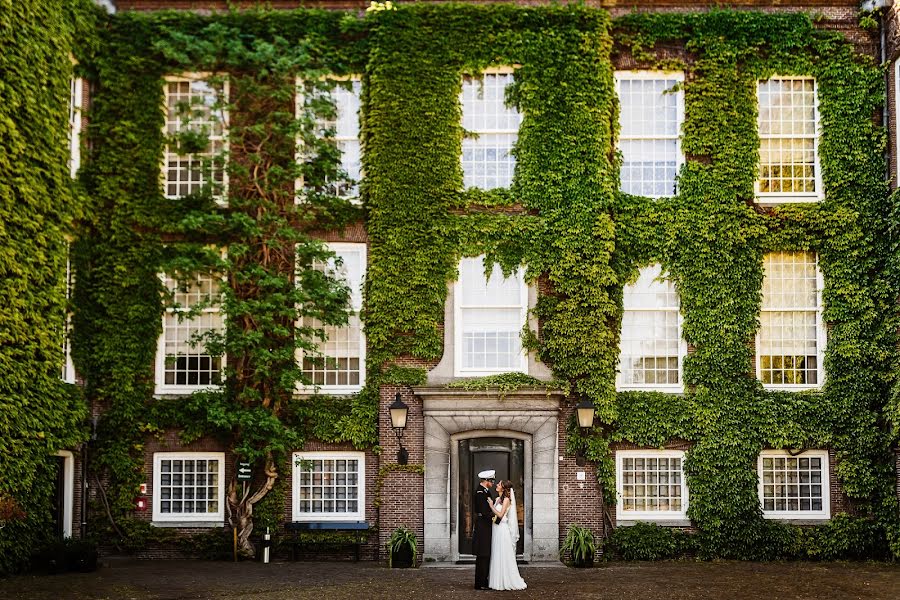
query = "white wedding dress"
{"x": 504, "y": 573}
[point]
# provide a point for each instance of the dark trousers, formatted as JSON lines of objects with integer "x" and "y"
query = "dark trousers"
{"x": 482, "y": 568}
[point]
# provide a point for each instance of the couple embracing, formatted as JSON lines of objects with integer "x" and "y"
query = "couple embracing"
{"x": 495, "y": 537}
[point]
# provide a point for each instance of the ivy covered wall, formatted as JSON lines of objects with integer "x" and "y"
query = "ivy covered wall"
{"x": 39, "y": 414}
{"x": 565, "y": 220}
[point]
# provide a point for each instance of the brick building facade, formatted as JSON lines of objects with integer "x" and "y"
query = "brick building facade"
{"x": 449, "y": 426}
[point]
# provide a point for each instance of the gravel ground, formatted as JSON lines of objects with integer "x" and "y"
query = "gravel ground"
{"x": 160, "y": 579}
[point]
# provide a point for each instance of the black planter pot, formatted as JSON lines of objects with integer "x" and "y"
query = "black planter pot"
{"x": 583, "y": 562}
{"x": 402, "y": 557}
{"x": 85, "y": 562}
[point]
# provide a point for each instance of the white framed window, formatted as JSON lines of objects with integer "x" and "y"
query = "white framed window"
{"x": 790, "y": 344}
{"x": 651, "y": 349}
{"x": 329, "y": 486}
{"x": 346, "y": 96}
{"x": 67, "y": 484}
{"x": 794, "y": 487}
{"x": 189, "y": 486}
{"x": 76, "y": 99}
{"x": 193, "y": 103}
{"x": 788, "y": 122}
{"x": 651, "y": 114}
{"x": 492, "y": 129}
{"x": 68, "y": 369}
{"x": 490, "y": 313}
{"x": 650, "y": 485}
{"x": 182, "y": 361}
{"x": 342, "y": 366}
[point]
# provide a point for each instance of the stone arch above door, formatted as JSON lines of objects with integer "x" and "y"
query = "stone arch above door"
{"x": 532, "y": 411}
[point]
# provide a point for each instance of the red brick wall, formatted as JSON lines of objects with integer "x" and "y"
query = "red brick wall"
{"x": 402, "y": 494}
{"x": 580, "y": 502}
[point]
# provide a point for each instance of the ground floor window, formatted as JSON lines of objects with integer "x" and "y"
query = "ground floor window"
{"x": 188, "y": 486}
{"x": 794, "y": 486}
{"x": 650, "y": 485}
{"x": 329, "y": 486}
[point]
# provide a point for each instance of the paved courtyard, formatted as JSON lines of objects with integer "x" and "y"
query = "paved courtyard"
{"x": 144, "y": 580}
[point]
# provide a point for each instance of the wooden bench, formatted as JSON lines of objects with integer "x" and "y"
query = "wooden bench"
{"x": 358, "y": 534}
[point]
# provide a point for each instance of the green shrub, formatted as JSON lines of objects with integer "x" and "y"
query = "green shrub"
{"x": 648, "y": 541}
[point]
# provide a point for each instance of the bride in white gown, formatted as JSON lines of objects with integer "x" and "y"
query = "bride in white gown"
{"x": 504, "y": 573}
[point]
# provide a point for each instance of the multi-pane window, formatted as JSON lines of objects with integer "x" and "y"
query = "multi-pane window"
{"x": 490, "y": 315}
{"x": 790, "y": 342}
{"x": 194, "y": 105}
{"x": 492, "y": 129}
{"x": 788, "y": 140}
{"x": 651, "y": 113}
{"x": 651, "y": 348}
{"x": 188, "y": 486}
{"x": 340, "y": 367}
{"x": 346, "y": 133}
{"x": 329, "y": 486}
{"x": 183, "y": 362}
{"x": 650, "y": 484}
{"x": 794, "y": 486}
{"x": 76, "y": 86}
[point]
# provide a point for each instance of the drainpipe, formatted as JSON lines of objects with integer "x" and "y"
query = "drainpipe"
{"x": 871, "y": 6}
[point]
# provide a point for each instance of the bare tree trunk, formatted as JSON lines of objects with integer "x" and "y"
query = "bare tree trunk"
{"x": 240, "y": 506}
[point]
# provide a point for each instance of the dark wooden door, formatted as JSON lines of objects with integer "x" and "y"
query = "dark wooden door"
{"x": 507, "y": 457}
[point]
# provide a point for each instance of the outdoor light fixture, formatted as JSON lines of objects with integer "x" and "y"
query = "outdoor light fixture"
{"x": 585, "y": 412}
{"x": 399, "y": 412}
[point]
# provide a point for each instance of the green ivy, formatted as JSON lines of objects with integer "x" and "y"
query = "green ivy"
{"x": 39, "y": 414}
{"x": 563, "y": 219}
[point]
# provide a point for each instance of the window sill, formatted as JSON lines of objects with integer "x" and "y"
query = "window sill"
{"x": 792, "y": 388}
{"x": 312, "y": 518}
{"x": 675, "y": 522}
{"x": 778, "y": 200}
{"x": 798, "y": 520}
{"x": 189, "y": 524}
{"x": 184, "y": 390}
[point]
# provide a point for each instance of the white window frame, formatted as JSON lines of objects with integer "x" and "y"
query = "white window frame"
{"x": 772, "y": 198}
{"x": 158, "y": 517}
{"x": 682, "y": 353}
{"x": 668, "y": 515}
{"x": 68, "y": 491}
{"x": 823, "y": 514}
{"x": 497, "y": 70}
{"x": 679, "y": 115}
{"x": 299, "y": 154}
{"x": 68, "y": 370}
{"x": 337, "y": 248}
{"x": 161, "y": 386}
{"x": 76, "y": 100}
{"x": 221, "y": 198}
{"x": 896, "y": 120}
{"x": 459, "y": 370}
{"x": 821, "y": 340}
{"x": 359, "y": 515}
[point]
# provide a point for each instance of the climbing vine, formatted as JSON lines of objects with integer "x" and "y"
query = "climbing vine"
{"x": 563, "y": 219}
{"x": 39, "y": 414}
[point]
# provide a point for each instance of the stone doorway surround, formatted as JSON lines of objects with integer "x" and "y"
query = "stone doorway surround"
{"x": 530, "y": 414}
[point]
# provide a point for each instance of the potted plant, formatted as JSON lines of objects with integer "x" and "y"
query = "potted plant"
{"x": 401, "y": 548}
{"x": 580, "y": 545}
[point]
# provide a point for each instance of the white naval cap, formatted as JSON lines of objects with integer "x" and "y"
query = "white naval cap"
{"x": 489, "y": 474}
